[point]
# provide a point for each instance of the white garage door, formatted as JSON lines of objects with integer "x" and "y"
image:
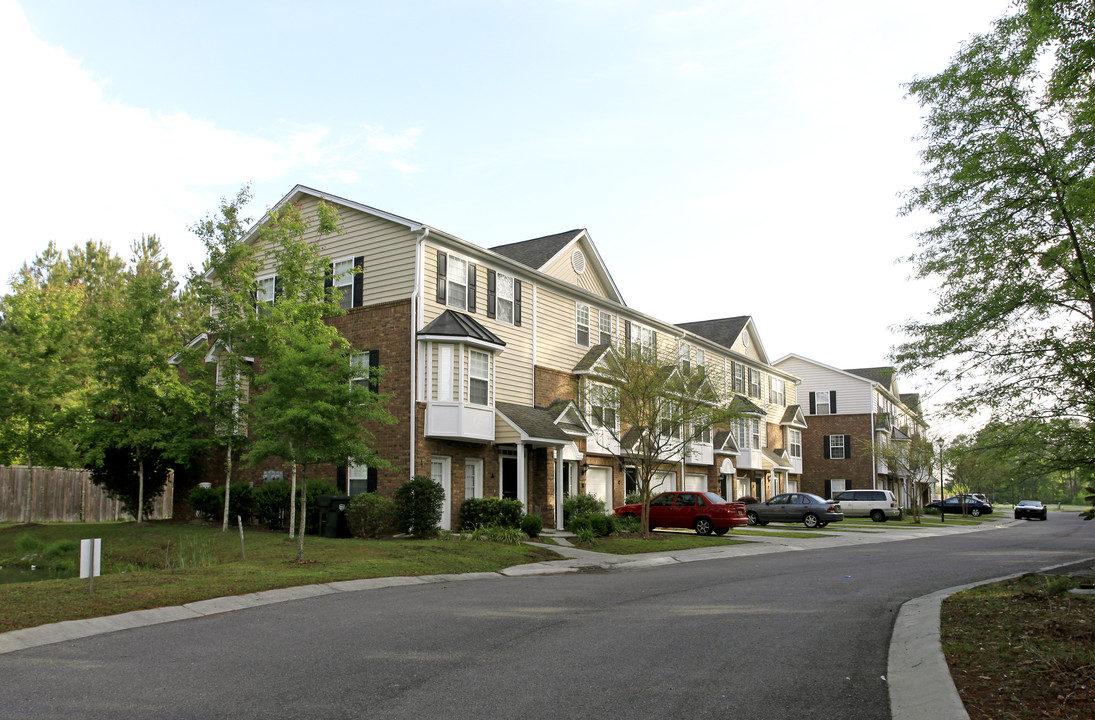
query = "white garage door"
{"x": 662, "y": 482}
{"x": 695, "y": 483}
{"x": 599, "y": 484}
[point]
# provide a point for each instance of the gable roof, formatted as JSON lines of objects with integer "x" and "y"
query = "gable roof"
{"x": 880, "y": 375}
{"x": 590, "y": 359}
{"x": 540, "y": 252}
{"x": 537, "y": 252}
{"x": 726, "y": 331}
{"x": 793, "y": 417}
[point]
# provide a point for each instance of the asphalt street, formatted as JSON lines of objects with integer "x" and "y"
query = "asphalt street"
{"x": 779, "y": 629}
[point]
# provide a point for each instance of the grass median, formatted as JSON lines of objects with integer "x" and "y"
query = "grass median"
{"x": 160, "y": 564}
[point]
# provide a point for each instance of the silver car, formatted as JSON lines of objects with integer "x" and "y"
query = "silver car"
{"x": 811, "y": 510}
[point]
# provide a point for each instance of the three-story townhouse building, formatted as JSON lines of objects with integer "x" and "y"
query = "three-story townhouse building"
{"x": 851, "y": 414}
{"x": 490, "y": 359}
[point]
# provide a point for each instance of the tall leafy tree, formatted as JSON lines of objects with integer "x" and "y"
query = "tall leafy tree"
{"x": 1009, "y": 178}
{"x": 140, "y": 415}
{"x": 40, "y": 373}
{"x": 226, "y": 290}
{"x": 649, "y": 412}
{"x": 307, "y": 410}
{"x": 913, "y": 460}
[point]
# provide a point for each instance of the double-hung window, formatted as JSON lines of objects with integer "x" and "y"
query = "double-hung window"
{"x": 343, "y": 279}
{"x": 478, "y": 377}
{"x": 776, "y": 390}
{"x": 820, "y": 402}
{"x": 602, "y": 405}
{"x": 739, "y": 378}
{"x": 794, "y": 443}
{"x": 581, "y": 324}
{"x": 836, "y": 447}
{"x": 641, "y": 339}
{"x": 264, "y": 293}
{"x": 455, "y": 282}
{"x": 504, "y": 298}
{"x": 754, "y": 383}
{"x": 701, "y": 358}
{"x": 604, "y": 327}
{"x": 684, "y": 356}
{"x": 362, "y": 364}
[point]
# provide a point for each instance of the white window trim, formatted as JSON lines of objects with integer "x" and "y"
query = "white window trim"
{"x": 832, "y": 448}
{"x": 579, "y": 325}
{"x": 604, "y": 318}
{"x": 262, "y": 295}
{"x": 476, "y": 477}
{"x": 818, "y": 395}
{"x": 449, "y": 282}
{"x": 344, "y": 280}
{"x": 484, "y": 378}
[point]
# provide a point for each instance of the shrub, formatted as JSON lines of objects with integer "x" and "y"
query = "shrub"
{"x": 531, "y": 525}
{"x": 596, "y": 523}
{"x": 504, "y": 534}
{"x": 370, "y": 515}
{"x": 271, "y": 503}
{"x": 632, "y": 498}
{"x": 420, "y": 504}
{"x": 747, "y": 499}
{"x": 205, "y": 502}
{"x": 241, "y": 501}
{"x": 582, "y": 504}
{"x": 477, "y": 512}
{"x": 585, "y": 535}
{"x": 628, "y": 525}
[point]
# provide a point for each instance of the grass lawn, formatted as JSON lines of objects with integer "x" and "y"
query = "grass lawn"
{"x": 1022, "y": 648}
{"x": 160, "y": 564}
{"x": 658, "y": 542}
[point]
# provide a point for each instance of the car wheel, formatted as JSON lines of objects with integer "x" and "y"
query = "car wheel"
{"x": 975, "y": 512}
{"x": 703, "y": 526}
{"x": 721, "y": 531}
{"x": 1045, "y": 516}
{"x": 810, "y": 520}
{"x": 753, "y": 519}
{"x": 878, "y": 516}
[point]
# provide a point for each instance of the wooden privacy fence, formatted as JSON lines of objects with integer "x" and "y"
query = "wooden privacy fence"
{"x": 60, "y": 495}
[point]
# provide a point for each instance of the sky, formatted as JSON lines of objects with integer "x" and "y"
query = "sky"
{"x": 727, "y": 157}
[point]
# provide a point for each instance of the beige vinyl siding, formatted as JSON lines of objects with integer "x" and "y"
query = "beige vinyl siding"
{"x": 388, "y": 249}
{"x": 563, "y": 269}
{"x": 513, "y": 365}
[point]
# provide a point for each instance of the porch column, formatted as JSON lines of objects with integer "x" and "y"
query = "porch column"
{"x": 522, "y": 475}
{"x": 559, "y": 488}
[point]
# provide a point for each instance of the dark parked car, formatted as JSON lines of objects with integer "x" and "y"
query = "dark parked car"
{"x": 704, "y": 512}
{"x": 810, "y": 510}
{"x": 1031, "y": 509}
{"x": 973, "y": 506}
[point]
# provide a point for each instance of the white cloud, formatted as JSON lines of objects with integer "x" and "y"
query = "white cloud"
{"x": 78, "y": 165}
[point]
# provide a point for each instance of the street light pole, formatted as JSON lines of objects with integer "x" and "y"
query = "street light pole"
{"x": 942, "y": 510}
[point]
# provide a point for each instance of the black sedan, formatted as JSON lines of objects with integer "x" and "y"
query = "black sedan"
{"x": 810, "y": 510}
{"x": 962, "y": 504}
{"x": 1031, "y": 509}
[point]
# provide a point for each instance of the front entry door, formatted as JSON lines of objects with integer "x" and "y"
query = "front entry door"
{"x": 509, "y": 477}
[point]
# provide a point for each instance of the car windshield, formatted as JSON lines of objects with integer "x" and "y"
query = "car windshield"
{"x": 1029, "y": 502}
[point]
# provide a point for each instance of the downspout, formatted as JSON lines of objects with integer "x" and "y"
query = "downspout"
{"x": 416, "y": 301}
{"x": 874, "y": 459}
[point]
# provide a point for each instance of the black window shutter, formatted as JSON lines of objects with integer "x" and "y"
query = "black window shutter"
{"x": 277, "y": 288}
{"x": 813, "y": 404}
{"x": 329, "y": 277}
{"x": 492, "y": 290}
{"x": 826, "y": 446}
{"x": 828, "y": 489}
{"x": 441, "y": 260}
{"x": 832, "y": 402}
{"x": 627, "y": 331}
{"x": 847, "y": 446}
{"x": 255, "y": 302}
{"x": 340, "y": 479}
{"x": 359, "y": 281}
{"x": 517, "y": 302}
{"x": 654, "y": 339}
{"x": 374, "y": 363}
{"x": 370, "y": 485}
{"x": 472, "y": 268}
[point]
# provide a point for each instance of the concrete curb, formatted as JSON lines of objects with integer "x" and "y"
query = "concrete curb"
{"x": 920, "y": 681}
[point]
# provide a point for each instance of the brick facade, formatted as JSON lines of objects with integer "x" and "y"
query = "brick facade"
{"x": 857, "y": 470}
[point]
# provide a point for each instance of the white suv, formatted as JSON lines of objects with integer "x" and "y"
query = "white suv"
{"x": 878, "y": 505}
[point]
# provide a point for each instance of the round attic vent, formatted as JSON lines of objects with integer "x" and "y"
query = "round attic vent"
{"x": 578, "y": 261}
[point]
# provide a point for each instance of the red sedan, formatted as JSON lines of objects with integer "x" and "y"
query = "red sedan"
{"x": 704, "y": 512}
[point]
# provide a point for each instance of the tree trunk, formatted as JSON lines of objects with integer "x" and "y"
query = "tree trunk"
{"x": 140, "y": 490}
{"x": 303, "y": 501}
{"x": 30, "y": 478}
{"x": 293, "y": 500}
{"x": 227, "y": 486}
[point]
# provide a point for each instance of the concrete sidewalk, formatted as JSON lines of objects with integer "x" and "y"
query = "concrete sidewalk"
{"x": 917, "y": 673}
